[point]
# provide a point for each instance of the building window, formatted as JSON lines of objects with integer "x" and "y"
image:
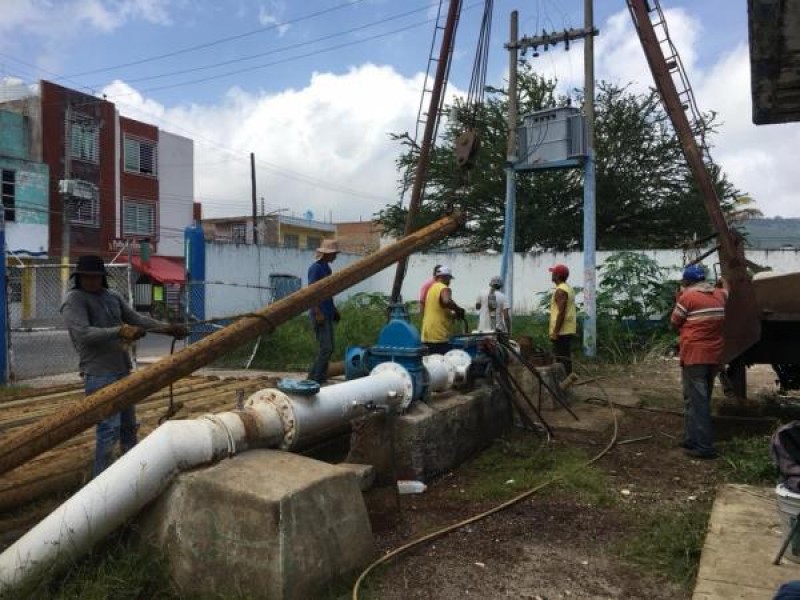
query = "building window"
{"x": 84, "y": 139}
{"x": 141, "y": 156}
{"x": 239, "y": 233}
{"x": 9, "y": 184}
{"x": 138, "y": 218}
{"x": 291, "y": 240}
{"x": 312, "y": 243}
{"x": 86, "y": 211}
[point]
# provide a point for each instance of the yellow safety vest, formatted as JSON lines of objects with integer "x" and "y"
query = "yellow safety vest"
{"x": 570, "y": 325}
{"x": 436, "y": 319}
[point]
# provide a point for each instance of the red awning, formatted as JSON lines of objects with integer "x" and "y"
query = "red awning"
{"x": 162, "y": 269}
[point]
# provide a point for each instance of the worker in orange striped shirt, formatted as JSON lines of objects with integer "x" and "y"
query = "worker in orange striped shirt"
{"x": 698, "y": 315}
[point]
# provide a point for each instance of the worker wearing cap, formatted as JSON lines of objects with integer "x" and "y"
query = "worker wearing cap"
{"x": 423, "y": 291}
{"x": 563, "y": 317}
{"x": 439, "y": 311}
{"x": 102, "y": 326}
{"x": 492, "y": 307}
{"x": 699, "y": 315}
{"x": 323, "y": 315}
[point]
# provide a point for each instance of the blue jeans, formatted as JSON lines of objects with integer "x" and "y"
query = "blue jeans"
{"x": 120, "y": 427}
{"x": 324, "y": 334}
{"x": 698, "y": 381}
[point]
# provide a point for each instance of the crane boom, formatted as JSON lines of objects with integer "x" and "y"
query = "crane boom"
{"x": 743, "y": 325}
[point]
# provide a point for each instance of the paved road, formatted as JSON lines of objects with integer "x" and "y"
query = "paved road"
{"x": 39, "y": 353}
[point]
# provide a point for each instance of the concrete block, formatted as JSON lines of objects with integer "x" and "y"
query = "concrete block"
{"x": 364, "y": 473}
{"x": 265, "y": 524}
{"x": 431, "y": 438}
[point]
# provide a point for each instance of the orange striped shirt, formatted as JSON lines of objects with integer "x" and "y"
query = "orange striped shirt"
{"x": 699, "y": 315}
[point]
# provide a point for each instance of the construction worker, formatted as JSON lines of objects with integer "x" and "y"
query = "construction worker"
{"x": 440, "y": 308}
{"x": 423, "y": 291}
{"x": 698, "y": 315}
{"x": 102, "y": 326}
{"x": 324, "y": 315}
{"x": 563, "y": 317}
{"x": 492, "y": 307}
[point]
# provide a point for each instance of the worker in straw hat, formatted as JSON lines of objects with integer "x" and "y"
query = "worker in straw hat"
{"x": 101, "y": 326}
{"x": 324, "y": 314}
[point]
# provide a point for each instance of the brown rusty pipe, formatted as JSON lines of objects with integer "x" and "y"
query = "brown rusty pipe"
{"x": 54, "y": 429}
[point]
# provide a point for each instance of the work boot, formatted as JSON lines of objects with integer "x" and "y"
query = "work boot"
{"x": 702, "y": 455}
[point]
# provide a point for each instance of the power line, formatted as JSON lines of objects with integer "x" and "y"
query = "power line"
{"x": 282, "y": 48}
{"x": 216, "y": 42}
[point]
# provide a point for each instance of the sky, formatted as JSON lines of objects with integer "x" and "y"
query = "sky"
{"x": 314, "y": 88}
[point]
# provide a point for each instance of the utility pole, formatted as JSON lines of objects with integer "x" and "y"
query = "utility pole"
{"x": 255, "y": 202}
{"x": 507, "y": 268}
{"x": 589, "y": 205}
{"x": 66, "y": 200}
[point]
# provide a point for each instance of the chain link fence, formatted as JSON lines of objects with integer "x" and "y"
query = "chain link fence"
{"x": 39, "y": 341}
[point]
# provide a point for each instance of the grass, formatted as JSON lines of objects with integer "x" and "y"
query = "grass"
{"x": 119, "y": 568}
{"x": 512, "y": 465}
{"x": 669, "y": 542}
{"x": 747, "y": 460}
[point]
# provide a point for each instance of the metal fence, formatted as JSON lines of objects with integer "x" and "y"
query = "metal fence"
{"x": 39, "y": 341}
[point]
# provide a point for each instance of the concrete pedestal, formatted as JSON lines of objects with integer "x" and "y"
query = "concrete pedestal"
{"x": 432, "y": 438}
{"x": 266, "y": 524}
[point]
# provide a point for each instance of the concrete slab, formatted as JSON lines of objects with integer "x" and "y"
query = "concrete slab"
{"x": 364, "y": 473}
{"x": 743, "y": 538}
{"x": 265, "y": 524}
{"x": 432, "y": 438}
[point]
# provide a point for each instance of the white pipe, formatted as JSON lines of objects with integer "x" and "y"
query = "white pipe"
{"x": 441, "y": 372}
{"x": 307, "y": 418}
{"x": 270, "y": 419}
{"x": 139, "y": 476}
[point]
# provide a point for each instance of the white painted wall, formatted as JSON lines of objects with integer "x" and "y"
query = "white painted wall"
{"x": 253, "y": 265}
{"x": 239, "y": 264}
{"x": 176, "y": 191}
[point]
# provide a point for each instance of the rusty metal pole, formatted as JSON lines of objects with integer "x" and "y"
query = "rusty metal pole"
{"x": 743, "y": 325}
{"x": 61, "y": 426}
{"x": 424, "y": 160}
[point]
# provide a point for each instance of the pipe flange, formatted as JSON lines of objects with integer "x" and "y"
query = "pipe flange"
{"x": 283, "y": 406}
{"x": 460, "y": 361}
{"x": 408, "y": 382}
{"x": 438, "y": 359}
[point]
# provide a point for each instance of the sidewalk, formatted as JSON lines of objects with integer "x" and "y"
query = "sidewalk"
{"x": 744, "y": 535}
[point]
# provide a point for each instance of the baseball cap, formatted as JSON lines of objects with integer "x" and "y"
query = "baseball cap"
{"x": 444, "y": 271}
{"x": 694, "y": 273}
{"x": 560, "y": 270}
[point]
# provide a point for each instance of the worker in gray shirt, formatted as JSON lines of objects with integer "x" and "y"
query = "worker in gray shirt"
{"x": 102, "y": 326}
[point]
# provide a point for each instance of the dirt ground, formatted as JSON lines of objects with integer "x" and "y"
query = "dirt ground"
{"x": 554, "y": 545}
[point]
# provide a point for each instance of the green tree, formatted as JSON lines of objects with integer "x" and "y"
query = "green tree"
{"x": 646, "y": 196}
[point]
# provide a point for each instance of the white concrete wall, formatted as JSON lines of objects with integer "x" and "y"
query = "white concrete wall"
{"x": 253, "y": 265}
{"x": 239, "y": 263}
{"x": 176, "y": 191}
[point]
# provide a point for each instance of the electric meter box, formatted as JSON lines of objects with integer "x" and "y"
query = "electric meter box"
{"x": 550, "y": 139}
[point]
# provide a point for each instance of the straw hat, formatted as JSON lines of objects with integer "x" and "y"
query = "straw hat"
{"x": 328, "y": 247}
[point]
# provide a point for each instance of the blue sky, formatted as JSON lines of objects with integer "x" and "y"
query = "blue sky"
{"x": 318, "y": 118}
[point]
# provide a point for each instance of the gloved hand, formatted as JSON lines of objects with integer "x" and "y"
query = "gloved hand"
{"x": 130, "y": 333}
{"x": 460, "y": 313}
{"x": 177, "y": 331}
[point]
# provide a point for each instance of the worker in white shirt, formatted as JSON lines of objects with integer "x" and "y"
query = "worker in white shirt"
{"x": 493, "y": 310}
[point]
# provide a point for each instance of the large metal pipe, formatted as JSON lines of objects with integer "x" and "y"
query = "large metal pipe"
{"x": 59, "y": 427}
{"x": 269, "y": 419}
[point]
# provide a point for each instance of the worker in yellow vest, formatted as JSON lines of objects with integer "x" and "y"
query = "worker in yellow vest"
{"x": 563, "y": 317}
{"x": 440, "y": 310}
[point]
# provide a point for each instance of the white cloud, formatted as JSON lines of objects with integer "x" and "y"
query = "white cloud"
{"x": 269, "y": 17}
{"x": 334, "y": 131}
